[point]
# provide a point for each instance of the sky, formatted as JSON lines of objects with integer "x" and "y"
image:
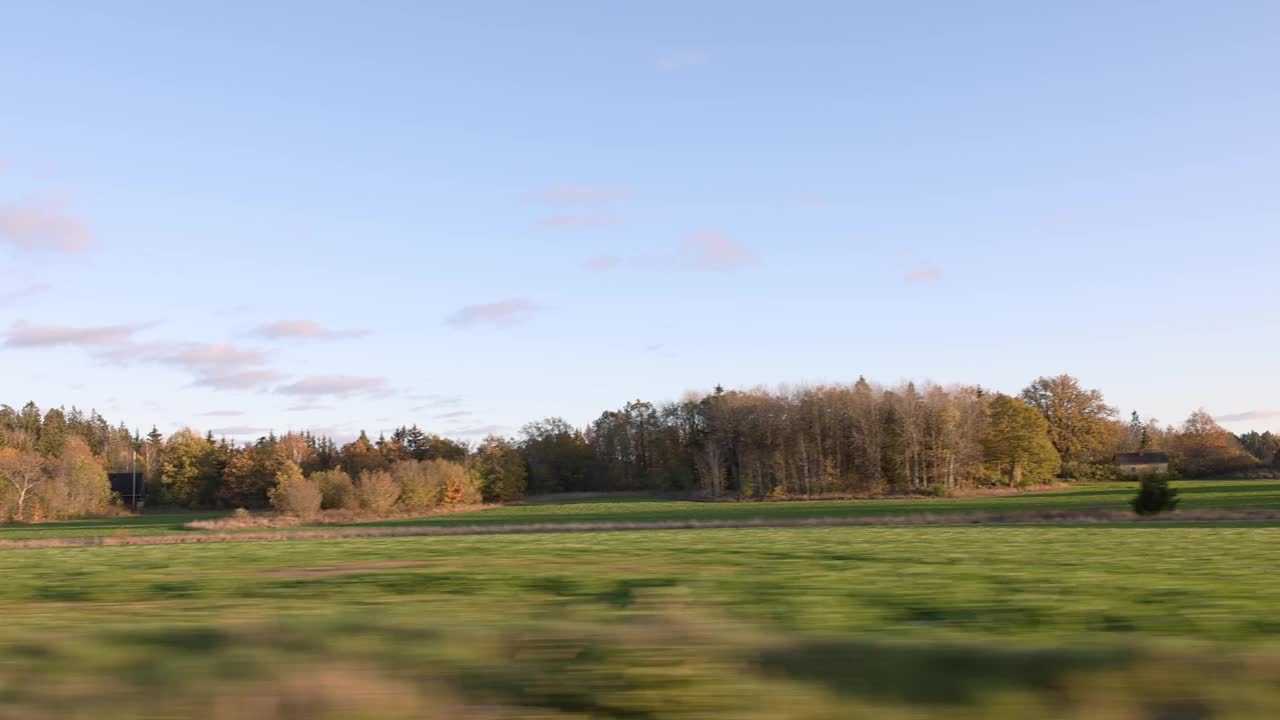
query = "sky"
{"x": 243, "y": 216}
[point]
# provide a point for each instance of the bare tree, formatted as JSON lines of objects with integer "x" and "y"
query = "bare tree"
{"x": 24, "y": 470}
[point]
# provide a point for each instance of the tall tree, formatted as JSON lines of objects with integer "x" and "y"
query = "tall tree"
{"x": 187, "y": 471}
{"x": 53, "y": 433}
{"x": 23, "y": 470}
{"x": 1017, "y": 441}
{"x": 1204, "y": 448}
{"x": 499, "y": 469}
{"x": 1139, "y": 436}
{"x": 1078, "y": 418}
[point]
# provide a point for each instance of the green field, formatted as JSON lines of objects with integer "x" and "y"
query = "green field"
{"x": 1204, "y": 494}
{"x": 1142, "y": 622}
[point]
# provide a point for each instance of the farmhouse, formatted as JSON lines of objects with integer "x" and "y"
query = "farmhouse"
{"x": 1142, "y": 463}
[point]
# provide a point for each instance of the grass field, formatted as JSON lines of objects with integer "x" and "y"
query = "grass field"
{"x": 1141, "y": 622}
{"x": 1206, "y": 494}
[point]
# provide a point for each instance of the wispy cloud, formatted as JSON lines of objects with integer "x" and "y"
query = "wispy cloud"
{"x": 603, "y": 263}
{"x": 308, "y": 407}
{"x": 923, "y": 276}
{"x": 305, "y": 329}
{"x": 43, "y": 224}
{"x": 503, "y": 313}
{"x": 433, "y": 401}
{"x": 1247, "y": 416}
{"x": 476, "y": 431}
{"x": 26, "y": 335}
{"x": 250, "y": 379}
{"x": 222, "y": 366}
{"x": 212, "y": 356}
{"x": 216, "y": 365}
{"x": 574, "y": 221}
{"x": 808, "y": 202}
{"x": 456, "y": 414}
{"x": 12, "y": 296}
{"x": 714, "y": 251}
{"x": 577, "y": 195}
{"x": 233, "y": 430}
{"x": 335, "y": 386}
{"x": 707, "y": 251}
{"x": 681, "y": 59}
{"x": 221, "y": 413}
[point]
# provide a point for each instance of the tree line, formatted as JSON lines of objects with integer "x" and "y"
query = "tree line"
{"x": 859, "y": 438}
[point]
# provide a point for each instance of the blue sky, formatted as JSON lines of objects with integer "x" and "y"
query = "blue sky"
{"x": 244, "y": 216}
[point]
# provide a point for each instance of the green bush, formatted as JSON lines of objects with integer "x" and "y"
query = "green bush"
{"x": 1094, "y": 472}
{"x": 1155, "y": 495}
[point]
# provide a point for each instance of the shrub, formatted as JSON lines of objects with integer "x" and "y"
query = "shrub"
{"x": 294, "y": 494}
{"x": 458, "y": 487}
{"x": 420, "y": 489}
{"x": 337, "y": 491}
{"x": 1155, "y": 495}
{"x": 1095, "y": 472}
{"x": 427, "y": 485}
{"x": 378, "y": 490}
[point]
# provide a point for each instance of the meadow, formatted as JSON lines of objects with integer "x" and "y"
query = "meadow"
{"x": 1149, "y": 622}
{"x": 1195, "y": 495}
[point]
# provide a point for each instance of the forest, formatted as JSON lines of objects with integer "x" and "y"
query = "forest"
{"x": 859, "y": 439}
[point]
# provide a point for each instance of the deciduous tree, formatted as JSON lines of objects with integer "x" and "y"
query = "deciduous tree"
{"x": 1017, "y": 441}
{"x": 1078, "y": 418}
{"x": 23, "y": 470}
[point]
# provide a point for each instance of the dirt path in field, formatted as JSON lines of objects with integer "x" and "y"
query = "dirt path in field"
{"x": 1031, "y": 517}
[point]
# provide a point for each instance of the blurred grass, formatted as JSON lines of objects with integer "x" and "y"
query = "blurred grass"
{"x": 1143, "y": 622}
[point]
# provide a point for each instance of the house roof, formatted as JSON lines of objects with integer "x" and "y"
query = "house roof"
{"x": 123, "y": 483}
{"x": 1141, "y": 458}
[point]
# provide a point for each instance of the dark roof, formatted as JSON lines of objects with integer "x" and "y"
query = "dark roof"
{"x": 1141, "y": 458}
{"x": 123, "y": 483}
